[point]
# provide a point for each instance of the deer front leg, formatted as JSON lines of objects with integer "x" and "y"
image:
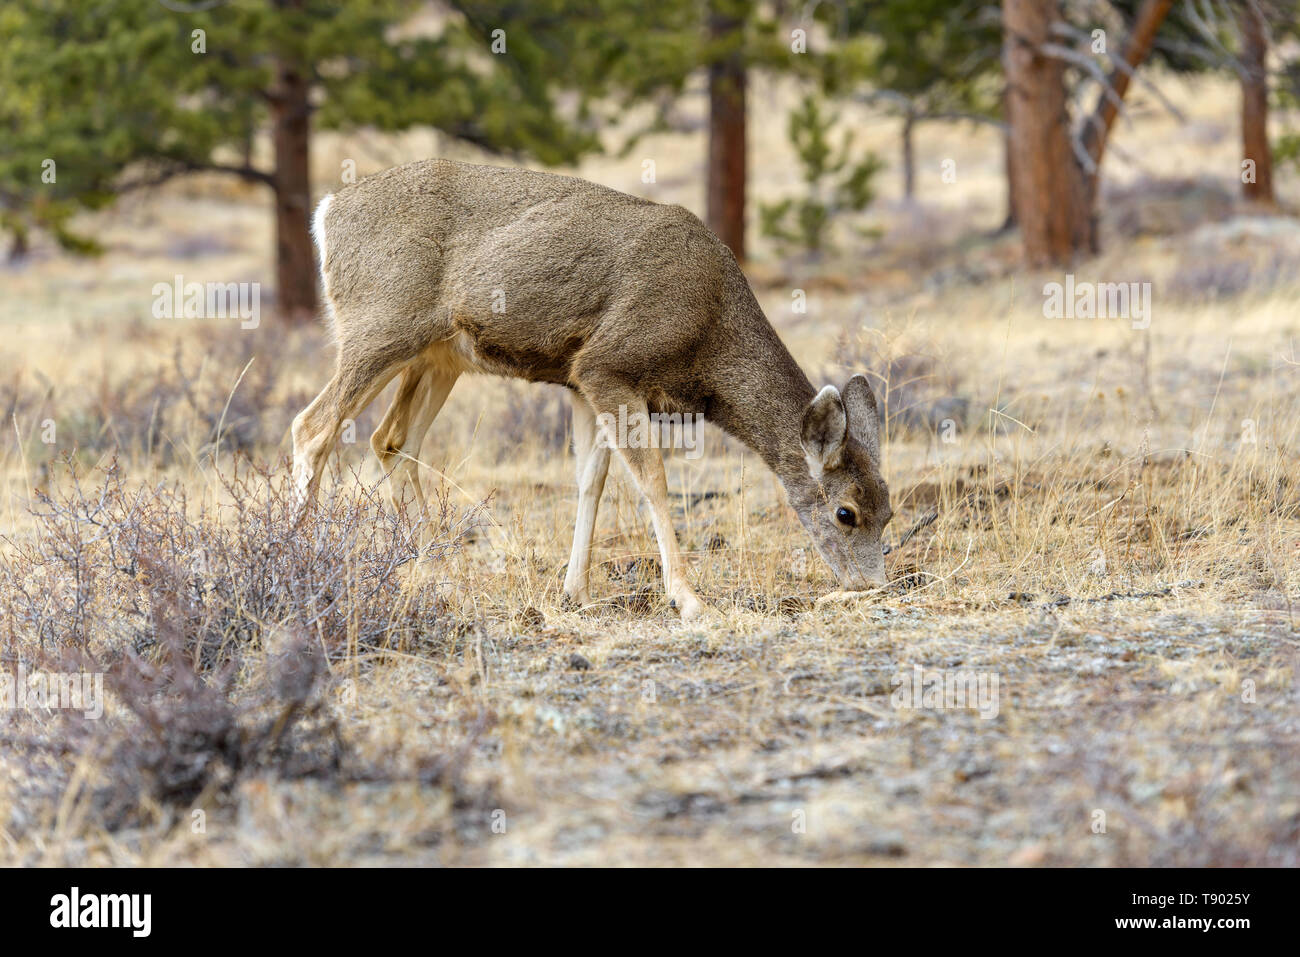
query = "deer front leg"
{"x": 592, "y": 459}
{"x": 647, "y": 468}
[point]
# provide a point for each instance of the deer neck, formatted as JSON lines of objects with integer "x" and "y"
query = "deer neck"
{"x": 760, "y": 395}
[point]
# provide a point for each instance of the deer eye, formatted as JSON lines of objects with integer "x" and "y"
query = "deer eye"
{"x": 846, "y": 516}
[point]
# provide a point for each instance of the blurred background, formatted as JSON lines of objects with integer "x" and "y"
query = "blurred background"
{"x": 863, "y": 160}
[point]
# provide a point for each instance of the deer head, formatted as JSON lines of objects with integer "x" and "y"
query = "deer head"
{"x": 844, "y": 503}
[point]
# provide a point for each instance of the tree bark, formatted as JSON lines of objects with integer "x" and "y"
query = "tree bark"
{"x": 1009, "y": 166}
{"x": 1254, "y": 102}
{"x": 295, "y": 266}
{"x": 727, "y": 140}
{"x": 18, "y": 248}
{"x": 1050, "y": 193}
{"x": 1055, "y": 190}
{"x": 909, "y": 153}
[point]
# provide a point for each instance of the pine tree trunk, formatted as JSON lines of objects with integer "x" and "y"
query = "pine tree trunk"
{"x": 18, "y": 248}
{"x": 295, "y": 266}
{"x": 1009, "y": 166}
{"x": 727, "y": 142}
{"x": 1055, "y": 196}
{"x": 1254, "y": 103}
{"x": 1049, "y": 198}
{"x": 909, "y": 154}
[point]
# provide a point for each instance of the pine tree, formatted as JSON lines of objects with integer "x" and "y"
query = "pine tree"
{"x": 1056, "y": 176}
{"x": 924, "y": 60}
{"x": 836, "y": 182}
{"x": 102, "y": 98}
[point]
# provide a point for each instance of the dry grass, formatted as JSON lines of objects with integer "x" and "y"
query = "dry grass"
{"x": 1109, "y": 524}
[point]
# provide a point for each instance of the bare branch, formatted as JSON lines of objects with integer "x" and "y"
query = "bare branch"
{"x": 1136, "y": 49}
{"x": 1088, "y": 64}
{"x": 1081, "y": 153}
{"x": 1071, "y": 32}
{"x": 184, "y": 167}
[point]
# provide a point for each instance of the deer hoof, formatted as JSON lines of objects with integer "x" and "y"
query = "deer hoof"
{"x": 691, "y": 609}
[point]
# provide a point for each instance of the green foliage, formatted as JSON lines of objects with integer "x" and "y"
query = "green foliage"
{"x": 1286, "y": 91}
{"x": 1286, "y": 147}
{"x": 118, "y": 94}
{"x": 650, "y": 53}
{"x": 937, "y": 56}
{"x": 836, "y": 183}
{"x": 1188, "y": 42}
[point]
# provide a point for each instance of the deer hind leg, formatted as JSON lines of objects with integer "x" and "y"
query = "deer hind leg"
{"x": 357, "y": 380}
{"x": 397, "y": 442}
{"x": 647, "y": 468}
{"x": 592, "y": 461}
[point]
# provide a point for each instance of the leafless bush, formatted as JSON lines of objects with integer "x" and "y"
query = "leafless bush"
{"x": 217, "y": 392}
{"x": 192, "y": 737}
{"x": 214, "y": 623}
{"x": 184, "y": 739}
{"x": 103, "y": 562}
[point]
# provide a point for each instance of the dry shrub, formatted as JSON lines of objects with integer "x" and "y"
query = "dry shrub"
{"x": 214, "y": 623}
{"x": 1225, "y": 274}
{"x": 192, "y": 737}
{"x": 534, "y": 418}
{"x": 104, "y": 564}
{"x": 218, "y": 389}
{"x": 1165, "y": 207}
{"x": 185, "y": 739}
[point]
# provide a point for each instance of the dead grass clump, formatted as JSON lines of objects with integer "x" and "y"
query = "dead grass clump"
{"x": 1212, "y": 277}
{"x": 919, "y": 392}
{"x": 1165, "y": 207}
{"x": 214, "y": 391}
{"x": 105, "y": 564}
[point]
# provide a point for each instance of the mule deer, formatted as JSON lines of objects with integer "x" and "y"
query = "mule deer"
{"x": 437, "y": 268}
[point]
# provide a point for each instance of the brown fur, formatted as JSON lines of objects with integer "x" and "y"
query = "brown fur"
{"x": 624, "y": 301}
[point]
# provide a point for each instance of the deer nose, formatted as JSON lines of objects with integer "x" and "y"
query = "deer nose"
{"x": 855, "y": 581}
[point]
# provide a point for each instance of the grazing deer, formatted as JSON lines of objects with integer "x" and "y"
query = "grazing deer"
{"x": 436, "y": 268}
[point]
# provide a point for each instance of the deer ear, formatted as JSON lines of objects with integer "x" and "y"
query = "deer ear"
{"x": 825, "y": 426}
{"x": 864, "y": 415}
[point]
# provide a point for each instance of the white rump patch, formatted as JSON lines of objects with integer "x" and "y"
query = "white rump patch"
{"x": 318, "y": 230}
{"x": 318, "y": 237}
